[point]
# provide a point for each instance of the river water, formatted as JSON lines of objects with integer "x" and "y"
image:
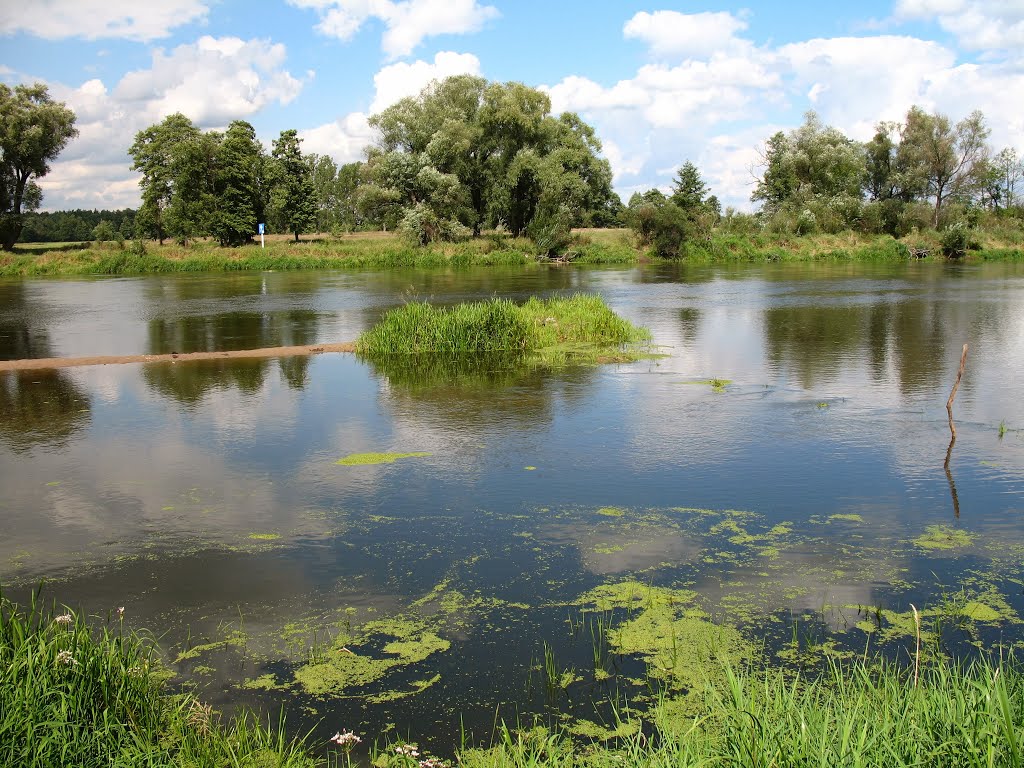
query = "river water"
{"x": 814, "y": 488}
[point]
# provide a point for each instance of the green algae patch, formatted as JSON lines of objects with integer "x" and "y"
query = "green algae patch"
{"x": 369, "y": 459}
{"x": 611, "y": 511}
{"x": 265, "y": 536}
{"x": 588, "y": 729}
{"x": 943, "y": 537}
{"x": 669, "y": 631}
{"x": 847, "y": 517}
{"x": 381, "y": 648}
{"x": 268, "y": 682}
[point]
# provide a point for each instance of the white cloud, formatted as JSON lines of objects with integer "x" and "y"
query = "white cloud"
{"x": 692, "y": 35}
{"x": 857, "y": 81}
{"x": 396, "y": 81}
{"x": 407, "y": 22}
{"x": 981, "y": 25}
{"x": 345, "y": 138}
{"x": 93, "y": 19}
{"x": 213, "y": 81}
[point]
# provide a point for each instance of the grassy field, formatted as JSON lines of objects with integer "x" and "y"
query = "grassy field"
{"x": 383, "y": 250}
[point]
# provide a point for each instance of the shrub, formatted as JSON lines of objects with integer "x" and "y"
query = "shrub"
{"x": 955, "y": 240}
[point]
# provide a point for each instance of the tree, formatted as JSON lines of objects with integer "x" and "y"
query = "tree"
{"x": 949, "y": 159}
{"x": 294, "y": 196}
{"x": 237, "y": 188}
{"x": 33, "y": 131}
{"x": 1009, "y": 169}
{"x": 153, "y": 154}
{"x": 466, "y": 154}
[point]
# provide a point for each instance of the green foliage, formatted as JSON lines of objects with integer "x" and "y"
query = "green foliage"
{"x": 496, "y": 327}
{"x": 294, "y": 196}
{"x": 75, "y": 695}
{"x": 103, "y": 232}
{"x": 33, "y": 131}
{"x": 481, "y": 154}
{"x": 956, "y": 240}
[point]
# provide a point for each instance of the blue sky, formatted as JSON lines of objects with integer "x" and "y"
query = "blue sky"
{"x": 662, "y": 82}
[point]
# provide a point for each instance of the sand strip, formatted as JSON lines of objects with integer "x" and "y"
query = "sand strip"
{"x": 174, "y": 357}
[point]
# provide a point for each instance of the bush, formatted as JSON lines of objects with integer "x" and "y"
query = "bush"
{"x": 103, "y": 232}
{"x": 551, "y": 231}
{"x": 955, "y": 240}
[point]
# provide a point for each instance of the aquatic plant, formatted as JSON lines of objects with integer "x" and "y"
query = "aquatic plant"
{"x": 497, "y": 326}
{"x": 72, "y": 694}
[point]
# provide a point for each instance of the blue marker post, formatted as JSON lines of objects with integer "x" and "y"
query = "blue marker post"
{"x": 262, "y": 227}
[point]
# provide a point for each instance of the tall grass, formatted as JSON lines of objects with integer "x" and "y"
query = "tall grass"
{"x": 859, "y": 716}
{"x": 497, "y": 326}
{"x": 71, "y": 696}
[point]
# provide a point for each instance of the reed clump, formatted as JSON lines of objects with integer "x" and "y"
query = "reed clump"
{"x": 74, "y": 695}
{"x": 498, "y": 327}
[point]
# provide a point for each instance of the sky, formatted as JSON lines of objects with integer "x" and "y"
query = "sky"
{"x": 662, "y": 82}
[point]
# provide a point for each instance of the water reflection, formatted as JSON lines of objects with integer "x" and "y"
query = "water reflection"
{"x": 471, "y": 395}
{"x": 41, "y": 408}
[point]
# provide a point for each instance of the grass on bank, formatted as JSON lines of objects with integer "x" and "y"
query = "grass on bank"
{"x": 857, "y": 716}
{"x": 499, "y": 326}
{"x": 384, "y": 250}
{"x": 76, "y": 696}
{"x": 73, "y": 696}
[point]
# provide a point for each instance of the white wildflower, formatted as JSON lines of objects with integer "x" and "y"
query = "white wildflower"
{"x": 65, "y": 620}
{"x": 67, "y": 658}
{"x": 345, "y": 739}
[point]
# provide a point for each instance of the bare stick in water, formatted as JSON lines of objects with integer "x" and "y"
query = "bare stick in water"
{"x": 956, "y": 384}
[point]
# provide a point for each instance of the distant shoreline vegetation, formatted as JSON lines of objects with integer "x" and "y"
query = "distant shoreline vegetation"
{"x": 476, "y": 172}
{"x": 388, "y": 250}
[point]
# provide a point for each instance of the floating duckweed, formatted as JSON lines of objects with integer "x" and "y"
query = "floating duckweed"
{"x": 943, "y": 537}
{"x": 367, "y": 459}
{"x": 611, "y": 511}
{"x": 347, "y": 668}
{"x": 849, "y": 517}
{"x": 265, "y": 536}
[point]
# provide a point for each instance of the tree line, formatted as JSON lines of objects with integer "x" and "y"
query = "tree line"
{"x": 463, "y": 155}
{"x": 466, "y": 155}
{"x": 924, "y": 172}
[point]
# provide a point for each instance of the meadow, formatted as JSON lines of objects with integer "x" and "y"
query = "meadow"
{"x": 385, "y": 250}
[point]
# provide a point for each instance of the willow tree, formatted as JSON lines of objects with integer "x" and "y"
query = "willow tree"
{"x": 33, "y": 130}
{"x": 466, "y": 154}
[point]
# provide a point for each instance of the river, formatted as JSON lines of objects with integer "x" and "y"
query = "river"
{"x": 783, "y": 467}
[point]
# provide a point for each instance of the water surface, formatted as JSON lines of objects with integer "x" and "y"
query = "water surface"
{"x": 206, "y": 498}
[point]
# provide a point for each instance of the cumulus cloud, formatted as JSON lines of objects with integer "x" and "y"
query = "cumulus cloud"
{"x": 345, "y": 138}
{"x": 685, "y": 35}
{"x": 407, "y": 22}
{"x": 981, "y": 25}
{"x": 853, "y": 82}
{"x": 94, "y": 19}
{"x": 402, "y": 79}
{"x": 212, "y": 81}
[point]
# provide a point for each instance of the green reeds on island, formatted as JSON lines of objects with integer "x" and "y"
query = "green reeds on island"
{"x": 858, "y": 715}
{"x": 71, "y": 695}
{"x": 498, "y": 326}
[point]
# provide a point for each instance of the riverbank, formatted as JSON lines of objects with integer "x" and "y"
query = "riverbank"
{"x": 381, "y": 250}
{"x": 80, "y": 693}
